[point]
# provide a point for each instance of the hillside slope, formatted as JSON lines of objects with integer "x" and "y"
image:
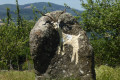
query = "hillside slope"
{"x": 26, "y": 10}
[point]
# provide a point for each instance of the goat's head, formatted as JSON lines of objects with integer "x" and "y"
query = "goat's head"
{"x": 68, "y": 24}
{"x": 65, "y": 21}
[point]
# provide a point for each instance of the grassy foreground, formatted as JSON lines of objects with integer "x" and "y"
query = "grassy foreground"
{"x": 107, "y": 73}
{"x": 102, "y": 73}
{"x": 17, "y": 75}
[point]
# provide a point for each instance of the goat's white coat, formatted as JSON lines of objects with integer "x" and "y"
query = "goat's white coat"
{"x": 68, "y": 39}
{"x": 74, "y": 42}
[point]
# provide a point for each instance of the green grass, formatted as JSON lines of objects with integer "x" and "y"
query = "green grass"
{"x": 102, "y": 73}
{"x": 17, "y": 75}
{"x": 107, "y": 73}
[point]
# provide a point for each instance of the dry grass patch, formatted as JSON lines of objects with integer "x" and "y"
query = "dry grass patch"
{"x": 17, "y": 75}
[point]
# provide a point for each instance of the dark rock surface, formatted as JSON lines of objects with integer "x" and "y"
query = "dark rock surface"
{"x": 77, "y": 61}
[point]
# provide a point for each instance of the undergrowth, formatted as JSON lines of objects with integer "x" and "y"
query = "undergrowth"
{"x": 102, "y": 73}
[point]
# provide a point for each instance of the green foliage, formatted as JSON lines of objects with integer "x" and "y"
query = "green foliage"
{"x": 14, "y": 42}
{"x": 14, "y": 45}
{"x": 19, "y": 20}
{"x": 28, "y": 65}
{"x": 107, "y": 73}
{"x": 8, "y": 16}
{"x": 3, "y": 65}
{"x": 34, "y": 13}
{"x": 49, "y": 4}
{"x": 101, "y": 18}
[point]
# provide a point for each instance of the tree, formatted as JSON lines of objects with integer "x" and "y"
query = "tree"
{"x": 101, "y": 18}
{"x": 34, "y": 13}
{"x": 19, "y": 20}
{"x": 14, "y": 42}
{"x": 8, "y": 16}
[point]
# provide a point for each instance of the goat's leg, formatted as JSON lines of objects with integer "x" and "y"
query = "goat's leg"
{"x": 60, "y": 48}
{"x": 63, "y": 50}
{"x": 75, "y": 55}
{"x": 76, "y": 61}
{"x": 75, "y": 52}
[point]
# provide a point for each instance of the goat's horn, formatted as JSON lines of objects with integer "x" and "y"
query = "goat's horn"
{"x": 41, "y": 13}
{"x": 64, "y": 10}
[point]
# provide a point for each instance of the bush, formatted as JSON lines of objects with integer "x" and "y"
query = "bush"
{"x": 107, "y": 73}
{"x": 28, "y": 65}
{"x": 101, "y": 18}
{"x": 3, "y": 65}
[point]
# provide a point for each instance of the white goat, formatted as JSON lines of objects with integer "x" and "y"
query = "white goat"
{"x": 68, "y": 39}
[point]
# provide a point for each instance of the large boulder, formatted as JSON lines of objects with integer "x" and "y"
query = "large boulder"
{"x": 60, "y": 48}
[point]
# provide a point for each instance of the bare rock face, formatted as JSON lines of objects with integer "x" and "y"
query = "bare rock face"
{"x": 60, "y": 48}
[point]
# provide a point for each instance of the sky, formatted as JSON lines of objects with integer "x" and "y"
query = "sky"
{"x": 72, "y": 3}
